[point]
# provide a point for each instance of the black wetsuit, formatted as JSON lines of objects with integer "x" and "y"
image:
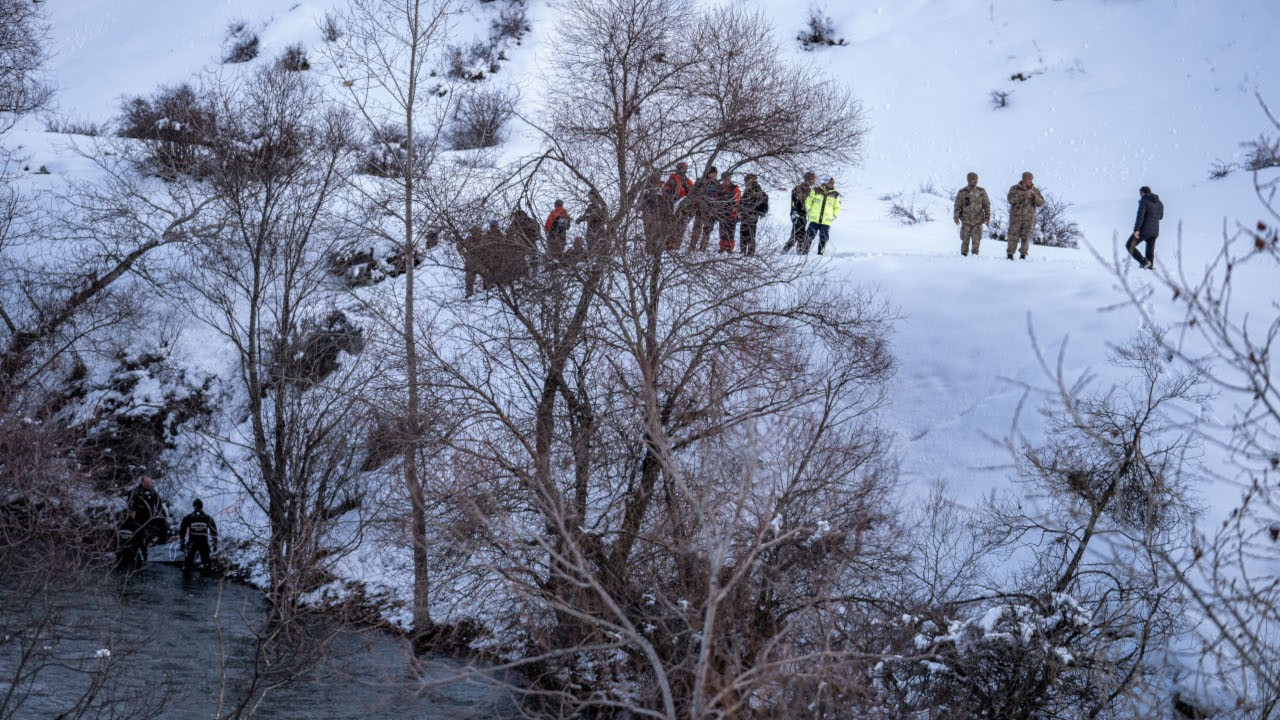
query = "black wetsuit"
{"x": 198, "y": 530}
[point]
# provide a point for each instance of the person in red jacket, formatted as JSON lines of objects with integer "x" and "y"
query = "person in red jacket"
{"x": 725, "y": 204}
{"x": 675, "y": 190}
{"x": 557, "y": 227}
{"x": 678, "y": 183}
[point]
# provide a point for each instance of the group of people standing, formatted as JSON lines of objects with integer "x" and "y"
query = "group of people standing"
{"x": 713, "y": 202}
{"x": 677, "y": 205}
{"x": 146, "y": 523}
{"x": 972, "y": 210}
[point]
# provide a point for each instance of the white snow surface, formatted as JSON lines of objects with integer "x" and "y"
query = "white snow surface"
{"x": 1121, "y": 93}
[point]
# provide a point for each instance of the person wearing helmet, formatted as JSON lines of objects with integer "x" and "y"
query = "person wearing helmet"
{"x": 195, "y": 534}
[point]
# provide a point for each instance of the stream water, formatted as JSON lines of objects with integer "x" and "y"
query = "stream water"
{"x": 187, "y": 644}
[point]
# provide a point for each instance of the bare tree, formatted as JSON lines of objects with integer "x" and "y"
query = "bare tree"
{"x": 261, "y": 285}
{"x": 23, "y": 53}
{"x": 671, "y": 465}
{"x": 384, "y": 57}
{"x": 1074, "y": 613}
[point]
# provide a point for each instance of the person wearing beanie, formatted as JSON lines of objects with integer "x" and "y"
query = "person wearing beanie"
{"x": 800, "y": 215}
{"x": 195, "y": 534}
{"x": 823, "y": 205}
{"x": 972, "y": 211}
{"x": 1023, "y": 198}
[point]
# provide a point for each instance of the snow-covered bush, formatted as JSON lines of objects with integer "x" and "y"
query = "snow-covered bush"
{"x": 999, "y": 99}
{"x": 175, "y": 123}
{"x": 512, "y": 23}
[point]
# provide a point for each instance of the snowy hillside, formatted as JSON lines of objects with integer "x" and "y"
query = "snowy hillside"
{"x": 1117, "y": 95}
{"x": 1112, "y": 95}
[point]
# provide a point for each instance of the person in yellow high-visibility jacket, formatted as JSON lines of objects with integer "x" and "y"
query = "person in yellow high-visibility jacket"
{"x": 823, "y": 206}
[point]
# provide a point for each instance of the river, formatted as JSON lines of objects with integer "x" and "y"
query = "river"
{"x": 159, "y": 637}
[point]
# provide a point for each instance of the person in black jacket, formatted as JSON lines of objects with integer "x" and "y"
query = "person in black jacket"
{"x": 800, "y": 215}
{"x": 755, "y": 205}
{"x": 1146, "y": 227}
{"x": 195, "y": 534}
{"x": 147, "y": 510}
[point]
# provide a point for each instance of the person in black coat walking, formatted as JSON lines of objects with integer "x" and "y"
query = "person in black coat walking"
{"x": 755, "y": 205}
{"x": 1146, "y": 227}
{"x": 195, "y": 534}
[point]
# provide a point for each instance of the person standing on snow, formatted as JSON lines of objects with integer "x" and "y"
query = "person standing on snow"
{"x": 972, "y": 211}
{"x": 701, "y": 205}
{"x": 1146, "y": 227}
{"x": 195, "y": 534}
{"x": 596, "y": 217}
{"x": 557, "y": 227}
{"x": 800, "y": 215}
{"x": 755, "y": 205}
{"x": 1023, "y": 198}
{"x": 822, "y": 207}
{"x": 726, "y": 203}
{"x": 674, "y": 193}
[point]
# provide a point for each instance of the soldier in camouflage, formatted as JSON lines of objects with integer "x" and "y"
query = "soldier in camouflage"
{"x": 1024, "y": 198}
{"x": 972, "y": 211}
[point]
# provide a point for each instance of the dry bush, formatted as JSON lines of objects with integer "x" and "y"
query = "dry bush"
{"x": 240, "y": 44}
{"x": 820, "y": 31}
{"x": 479, "y": 118}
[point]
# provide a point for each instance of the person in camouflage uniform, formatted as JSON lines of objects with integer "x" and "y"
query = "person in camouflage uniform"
{"x": 1024, "y": 198}
{"x": 972, "y": 211}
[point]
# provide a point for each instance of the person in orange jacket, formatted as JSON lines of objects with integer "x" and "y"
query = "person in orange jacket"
{"x": 557, "y": 227}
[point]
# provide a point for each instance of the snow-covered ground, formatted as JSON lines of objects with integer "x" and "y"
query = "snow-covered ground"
{"x": 1119, "y": 94}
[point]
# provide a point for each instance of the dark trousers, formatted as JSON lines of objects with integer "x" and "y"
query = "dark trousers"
{"x": 824, "y": 235}
{"x": 1132, "y": 247}
{"x": 747, "y": 234}
{"x": 799, "y": 238}
{"x": 197, "y": 545}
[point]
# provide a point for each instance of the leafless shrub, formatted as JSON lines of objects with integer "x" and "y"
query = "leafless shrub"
{"x": 293, "y": 59}
{"x": 68, "y": 126}
{"x": 175, "y": 124}
{"x": 1221, "y": 169}
{"x": 1053, "y": 227}
{"x": 241, "y": 43}
{"x": 820, "y": 31}
{"x": 329, "y": 28}
{"x": 1262, "y": 153}
{"x": 1000, "y": 99}
{"x": 903, "y": 208}
{"x": 511, "y": 25}
{"x": 479, "y": 118}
